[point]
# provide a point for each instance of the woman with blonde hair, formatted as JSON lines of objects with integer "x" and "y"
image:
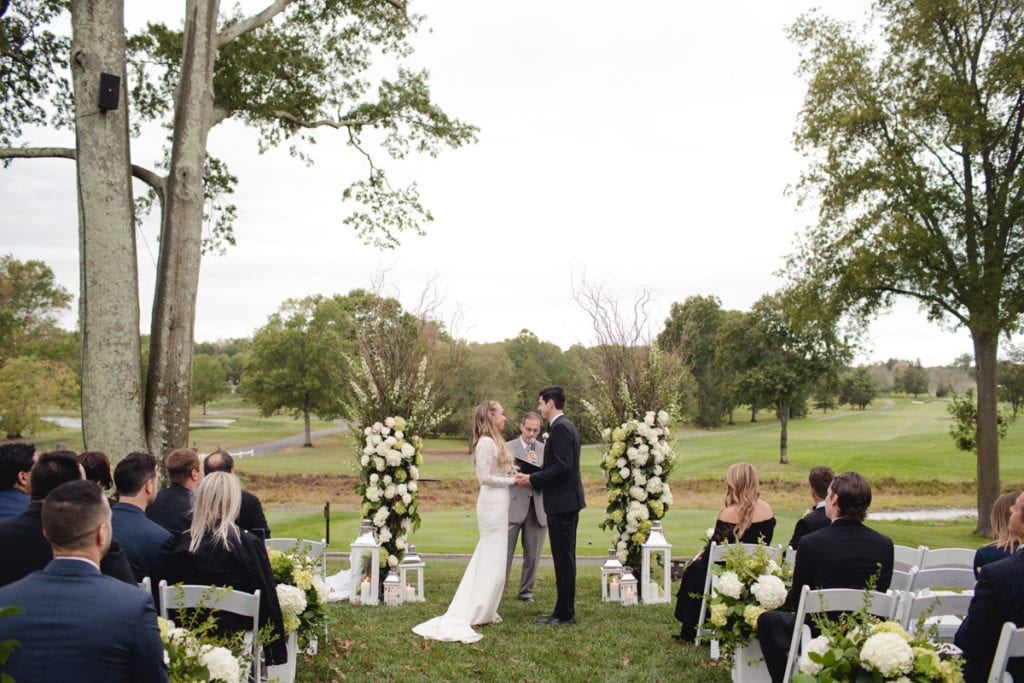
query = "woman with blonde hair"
{"x": 477, "y": 597}
{"x": 1005, "y": 543}
{"x": 215, "y": 552}
{"x": 744, "y": 519}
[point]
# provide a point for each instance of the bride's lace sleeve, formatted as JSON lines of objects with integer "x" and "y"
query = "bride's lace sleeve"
{"x": 486, "y": 462}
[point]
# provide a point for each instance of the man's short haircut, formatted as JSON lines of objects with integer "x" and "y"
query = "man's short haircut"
{"x": 71, "y": 514}
{"x": 556, "y": 394}
{"x": 53, "y": 469}
{"x": 218, "y": 461}
{"x": 180, "y": 465}
{"x": 853, "y": 495}
{"x": 15, "y": 458}
{"x": 819, "y": 478}
{"x": 97, "y": 468}
{"x": 132, "y": 473}
{"x": 530, "y": 416}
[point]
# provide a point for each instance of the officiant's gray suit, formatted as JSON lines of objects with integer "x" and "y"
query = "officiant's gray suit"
{"x": 526, "y": 514}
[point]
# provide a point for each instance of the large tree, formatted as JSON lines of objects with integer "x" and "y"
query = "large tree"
{"x": 289, "y": 70}
{"x": 29, "y": 301}
{"x": 914, "y": 145}
{"x": 692, "y": 331}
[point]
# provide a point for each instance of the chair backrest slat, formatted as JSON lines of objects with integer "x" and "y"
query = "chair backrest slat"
{"x": 1011, "y": 644}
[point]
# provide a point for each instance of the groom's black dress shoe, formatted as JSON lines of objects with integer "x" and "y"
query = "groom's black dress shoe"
{"x": 554, "y": 621}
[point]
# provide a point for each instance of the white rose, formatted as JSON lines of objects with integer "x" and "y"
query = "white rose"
{"x": 624, "y": 472}
{"x": 729, "y": 584}
{"x": 387, "y": 479}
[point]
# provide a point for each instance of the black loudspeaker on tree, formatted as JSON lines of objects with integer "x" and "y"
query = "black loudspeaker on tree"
{"x": 110, "y": 91}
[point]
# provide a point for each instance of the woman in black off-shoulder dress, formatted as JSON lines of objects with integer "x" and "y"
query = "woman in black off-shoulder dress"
{"x": 744, "y": 519}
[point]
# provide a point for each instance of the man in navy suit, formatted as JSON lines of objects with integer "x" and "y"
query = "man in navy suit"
{"x": 172, "y": 508}
{"x": 559, "y": 480}
{"x": 75, "y": 623}
{"x": 998, "y": 598}
{"x": 16, "y": 460}
{"x": 819, "y": 479}
{"x": 147, "y": 544}
{"x": 845, "y": 554}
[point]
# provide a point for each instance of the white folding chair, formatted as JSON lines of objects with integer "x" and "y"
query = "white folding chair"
{"x": 790, "y": 556}
{"x": 944, "y": 578}
{"x": 948, "y": 557}
{"x": 906, "y": 556}
{"x": 1011, "y": 644}
{"x": 880, "y": 605}
{"x": 226, "y": 599}
{"x": 314, "y": 550}
{"x": 715, "y": 554}
{"x": 146, "y": 584}
{"x": 945, "y": 612}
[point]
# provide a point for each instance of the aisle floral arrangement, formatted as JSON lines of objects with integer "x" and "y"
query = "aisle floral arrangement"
{"x": 388, "y": 484}
{"x": 748, "y": 585}
{"x": 302, "y": 593}
{"x": 197, "y": 654}
{"x": 636, "y": 465}
{"x": 860, "y": 647}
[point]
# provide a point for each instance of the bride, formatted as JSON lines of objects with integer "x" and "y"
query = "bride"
{"x": 476, "y": 600}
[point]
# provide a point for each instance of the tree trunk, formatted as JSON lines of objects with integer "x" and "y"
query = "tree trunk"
{"x": 309, "y": 434}
{"x": 109, "y": 301}
{"x": 782, "y": 408}
{"x": 169, "y": 389}
{"x": 985, "y": 348}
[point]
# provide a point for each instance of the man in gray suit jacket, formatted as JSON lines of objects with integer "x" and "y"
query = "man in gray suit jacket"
{"x": 526, "y": 506}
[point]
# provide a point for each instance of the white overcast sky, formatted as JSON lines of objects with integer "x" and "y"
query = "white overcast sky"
{"x": 643, "y": 146}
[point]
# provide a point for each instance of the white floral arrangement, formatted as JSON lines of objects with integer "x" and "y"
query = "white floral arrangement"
{"x": 749, "y": 584}
{"x": 860, "y": 647}
{"x": 195, "y": 655}
{"x": 301, "y": 592}
{"x": 636, "y": 464}
{"x": 389, "y": 463}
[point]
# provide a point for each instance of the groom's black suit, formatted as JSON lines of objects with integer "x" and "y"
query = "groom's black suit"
{"x": 559, "y": 479}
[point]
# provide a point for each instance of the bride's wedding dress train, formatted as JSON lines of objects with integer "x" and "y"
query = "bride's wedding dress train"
{"x": 476, "y": 600}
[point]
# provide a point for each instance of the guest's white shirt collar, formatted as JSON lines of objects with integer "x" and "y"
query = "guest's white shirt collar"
{"x": 820, "y": 504}
{"x": 77, "y": 559}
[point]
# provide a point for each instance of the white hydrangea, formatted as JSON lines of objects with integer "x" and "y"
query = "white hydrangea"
{"x": 649, "y": 418}
{"x": 323, "y": 591}
{"x": 382, "y": 449}
{"x": 658, "y": 470}
{"x": 393, "y": 458}
{"x": 367, "y": 431}
{"x": 638, "y": 478}
{"x": 632, "y": 453}
{"x": 624, "y": 472}
{"x": 291, "y": 598}
{"x": 606, "y": 434}
{"x": 365, "y": 460}
{"x": 729, "y": 584}
{"x": 413, "y": 486}
{"x": 375, "y": 440}
{"x": 655, "y": 485}
{"x": 408, "y": 450}
{"x": 819, "y": 645}
{"x": 888, "y": 654}
{"x": 400, "y": 543}
{"x": 384, "y": 535}
{"x": 638, "y": 493}
{"x": 666, "y": 495}
{"x": 372, "y": 494}
{"x": 378, "y": 463}
{"x": 390, "y": 441}
{"x": 401, "y": 490}
{"x": 414, "y": 473}
{"x": 221, "y": 664}
{"x": 663, "y": 418}
{"x": 381, "y": 516}
{"x": 659, "y": 457}
{"x": 377, "y": 427}
{"x": 389, "y": 492}
{"x": 620, "y": 462}
{"x": 406, "y": 498}
{"x": 390, "y": 422}
{"x": 399, "y": 434}
{"x": 769, "y": 591}
{"x": 392, "y": 560}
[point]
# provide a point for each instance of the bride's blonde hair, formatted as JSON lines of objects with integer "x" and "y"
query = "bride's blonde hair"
{"x": 743, "y": 491}
{"x": 483, "y": 425}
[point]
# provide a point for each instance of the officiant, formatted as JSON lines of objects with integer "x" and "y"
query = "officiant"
{"x": 526, "y": 506}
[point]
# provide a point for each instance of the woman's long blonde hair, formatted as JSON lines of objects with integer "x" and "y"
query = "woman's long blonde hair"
{"x": 742, "y": 489}
{"x": 218, "y": 498}
{"x": 483, "y": 425}
{"x": 1000, "y": 519}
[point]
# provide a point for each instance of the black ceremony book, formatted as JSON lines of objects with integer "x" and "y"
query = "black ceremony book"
{"x": 527, "y": 467}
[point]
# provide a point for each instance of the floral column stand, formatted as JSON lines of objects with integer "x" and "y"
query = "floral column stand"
{"x": 410, "y": 570}
{"x": 611, "y": 576}
{"x": 364, "y": 567}
{"x": 656, "y": 550}
{"x": 748, "y": 664}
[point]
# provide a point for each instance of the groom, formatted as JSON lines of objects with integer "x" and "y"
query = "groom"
{"x": 559, "y": 479}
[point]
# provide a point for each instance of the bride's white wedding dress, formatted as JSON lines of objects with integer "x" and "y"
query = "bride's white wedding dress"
{"x": 476, "y": 600}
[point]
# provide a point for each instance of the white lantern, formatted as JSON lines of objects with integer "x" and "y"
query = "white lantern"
{"x": 611, "y": 575}
{"x": 392, "y": 590}
{"x": 655, "y": 571}
{"x": 410, "y": 571}
{"x": 364, "y": 566}
{"x": 627, "y": 587}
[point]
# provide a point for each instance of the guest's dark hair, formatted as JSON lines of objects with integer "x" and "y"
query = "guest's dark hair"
{"x": 15, "y": 458}
{"x": 555, "y": 393}
{"x": 853, "y": 495}
{"x": 72, "y": 512}
{"x": 819, "y": 478}
{"x": 180, "y": 465}
{"x": 53, "y": 469}
{"x": 218, "y": 461}
{"x": 132, "y": 473}
{"x": 97, "y": 468}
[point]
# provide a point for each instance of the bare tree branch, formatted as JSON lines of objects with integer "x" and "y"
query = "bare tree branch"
{"x": 251, "y": 23}
{"x": 154, "y": 180}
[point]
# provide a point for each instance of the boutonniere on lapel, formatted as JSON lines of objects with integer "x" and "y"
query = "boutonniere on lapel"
{"x": 544, "y": 436}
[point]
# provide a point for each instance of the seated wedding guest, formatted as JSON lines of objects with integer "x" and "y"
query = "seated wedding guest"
{"x": 97, "y": 468}
{"x": 845, "y": 554}
{"x": 147, "y": 543}
{"x": 215, "y": 552}
{"x": 172, "y": 508}
{"x": 998, "y": 598}
{"x": 23, "y": 547}
{"x": 744, "y": 519}
{"x": 75, "y": 623}
{"x": 819, "y": 479}
{"x": 251, "y": 517}
{"x": 1006, "y": 543}
{"x": 16, "y": 460}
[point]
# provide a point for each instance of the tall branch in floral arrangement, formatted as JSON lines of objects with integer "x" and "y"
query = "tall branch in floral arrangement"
{"x": 636, "y": 465}
{"x": 390, "y": 462}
